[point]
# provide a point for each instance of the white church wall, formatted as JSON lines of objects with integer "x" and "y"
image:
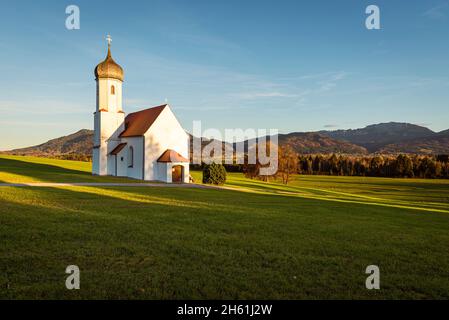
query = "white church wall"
{"x": 165, "y": 133}
{"x": 122, "y": 163}
{"x": 95, "y": 161}
{"x": 186, "y": 173}
{"x": 111, "y": 164}
{"x": 102, "y": 163}
{"x": 106, "y": 99}
{"x": 111, "y": 125}
{"x": 168, "y": 169}
{"x": 117, "y": 164}
{"x": 136, "y": 170}
{"x": 162, "y": 172}
{"x": 108, "y": 126}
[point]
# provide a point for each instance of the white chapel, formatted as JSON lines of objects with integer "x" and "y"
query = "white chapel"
{"x": 149, "y": 144}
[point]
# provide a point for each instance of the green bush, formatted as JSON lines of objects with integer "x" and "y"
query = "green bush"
{"x": 214, "y": 174}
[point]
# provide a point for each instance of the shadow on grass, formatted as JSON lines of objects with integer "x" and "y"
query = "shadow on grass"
{"x": 172, "y": 246}
{"x": 41, "y": 172}
{"x": 27, "y": 171}
{"x": 213, "y": 244}
{"x": 382, "y": 182}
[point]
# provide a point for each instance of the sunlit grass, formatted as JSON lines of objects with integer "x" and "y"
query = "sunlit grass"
{"x": 310, "y": 239}
{"x": 419, "y": 194}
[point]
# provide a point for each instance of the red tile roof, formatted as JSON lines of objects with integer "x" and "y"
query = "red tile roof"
{"x": 137, "y": 123}
{"x": 171, "y": 156}
{"x": 118, "y": 148}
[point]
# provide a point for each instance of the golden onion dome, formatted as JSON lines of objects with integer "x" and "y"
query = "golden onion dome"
{"x": 109, "y": 68}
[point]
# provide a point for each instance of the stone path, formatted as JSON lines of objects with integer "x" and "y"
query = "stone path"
{"x": 103, "y": 184}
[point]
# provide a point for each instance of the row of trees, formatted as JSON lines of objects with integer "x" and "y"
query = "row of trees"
{"x": 73, "y": 156}
{"x": 401, "y": 166}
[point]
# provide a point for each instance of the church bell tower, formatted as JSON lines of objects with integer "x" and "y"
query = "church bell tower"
{"x": 109, "y": 116}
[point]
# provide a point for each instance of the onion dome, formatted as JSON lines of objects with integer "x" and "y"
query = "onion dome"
{"x": 109, "y": 68}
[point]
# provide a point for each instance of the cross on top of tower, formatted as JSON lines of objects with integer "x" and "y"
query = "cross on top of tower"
{"x": 109, "y": 40}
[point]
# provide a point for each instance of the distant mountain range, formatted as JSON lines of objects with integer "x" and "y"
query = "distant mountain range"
{"x": 391, "y": 138}
{"x": 377, "y": 136}
{"x": 395, "y": 137}
{"x": 318, "y": 142}
{"x": 80, "y": 142}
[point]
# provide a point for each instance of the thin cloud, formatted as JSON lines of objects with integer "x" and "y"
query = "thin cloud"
{"x": 437, "y": 12}
{"x": 425, "y": 124}
{"x": 293, "y": 87}
{"x": 258, "y": 95}
{"x": 204, "y": 40}
{"x": 42, "y": 107}
{"x": 33, "y": 124}
{"x": 331, "y": 81}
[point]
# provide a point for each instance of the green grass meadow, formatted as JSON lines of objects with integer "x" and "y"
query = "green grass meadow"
{"x": 312, "y": 239}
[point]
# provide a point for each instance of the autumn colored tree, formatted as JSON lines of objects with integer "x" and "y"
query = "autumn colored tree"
{"x": 288, "y": 163}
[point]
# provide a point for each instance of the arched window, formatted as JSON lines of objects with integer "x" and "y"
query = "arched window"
{"x": 112, "y": 90}
{"x": 131, "y": 157}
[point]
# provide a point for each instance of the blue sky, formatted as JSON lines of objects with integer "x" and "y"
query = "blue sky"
{"x": 289, "y": 65}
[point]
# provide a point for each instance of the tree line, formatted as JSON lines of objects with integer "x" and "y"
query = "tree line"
{"x": 73, "y": 156}
{"x": 400, "y": 166}
{"x": 392, "y": 166}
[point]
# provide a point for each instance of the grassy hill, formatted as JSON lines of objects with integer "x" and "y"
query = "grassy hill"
{"x": 310, "y": 239}
{"x": 79, "y": 143}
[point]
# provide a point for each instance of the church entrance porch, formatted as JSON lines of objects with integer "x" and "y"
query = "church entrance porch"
{"x": 173, "y": 167}
{"x": 174, "y": 172}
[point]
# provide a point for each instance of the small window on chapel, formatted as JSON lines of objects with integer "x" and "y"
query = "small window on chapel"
{"x": 131, "y": 157}
{"x": 112, "y": 90}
